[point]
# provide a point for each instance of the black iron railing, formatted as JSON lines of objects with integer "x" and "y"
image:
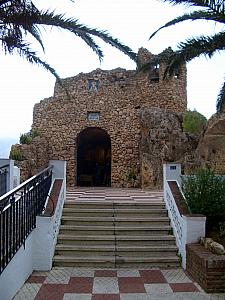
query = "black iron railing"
{"x": 18, "y": 211}
{"x": 3, "y": 179}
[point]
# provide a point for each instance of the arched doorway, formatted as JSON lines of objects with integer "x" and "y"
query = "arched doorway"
{"x": 93, "y": 157}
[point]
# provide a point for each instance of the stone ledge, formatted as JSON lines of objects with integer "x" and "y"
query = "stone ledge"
{"x": 206, "y": 268}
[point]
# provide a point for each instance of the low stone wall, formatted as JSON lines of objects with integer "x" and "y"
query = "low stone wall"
{"x": 206, "y": 268}
{"x": 35, "y": 157}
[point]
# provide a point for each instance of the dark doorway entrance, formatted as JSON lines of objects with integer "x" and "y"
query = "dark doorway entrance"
{"x": 93, "y": 158}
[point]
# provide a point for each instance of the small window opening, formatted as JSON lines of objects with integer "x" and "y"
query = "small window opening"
{"x": 93, "y": 84}
{"x": 176, "y": 74}
{"x": 154, "y": 73}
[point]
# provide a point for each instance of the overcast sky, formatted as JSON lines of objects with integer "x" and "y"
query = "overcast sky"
{"x": 23, "y": 85}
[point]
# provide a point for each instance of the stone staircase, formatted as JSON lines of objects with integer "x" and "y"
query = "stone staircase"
{"x": 115, "y": 228}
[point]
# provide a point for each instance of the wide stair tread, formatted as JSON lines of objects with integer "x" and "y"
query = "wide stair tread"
{"x": 113, "y": 228}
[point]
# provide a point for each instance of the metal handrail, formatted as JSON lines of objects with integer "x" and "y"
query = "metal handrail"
{"x": 19, "y": 187}
{"x": 5, "y": 166}
{"x": 18, "y": 210}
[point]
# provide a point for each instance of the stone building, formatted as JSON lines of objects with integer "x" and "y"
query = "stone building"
{"x": 97, "y": 128}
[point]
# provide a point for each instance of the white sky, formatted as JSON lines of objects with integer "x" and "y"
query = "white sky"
{"x": 22, "y": 85}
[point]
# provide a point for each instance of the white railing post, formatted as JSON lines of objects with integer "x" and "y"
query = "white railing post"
{"x": 10, "y": 172}
{"x": 172, "y": 172}
{"x": 16, "y": 176}
{"x": 193, "y": 229}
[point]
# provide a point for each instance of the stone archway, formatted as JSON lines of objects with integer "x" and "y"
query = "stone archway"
{"x": 93, "y": 157}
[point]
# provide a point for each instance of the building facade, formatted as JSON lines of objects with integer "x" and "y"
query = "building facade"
{"x": 93, "y": 121}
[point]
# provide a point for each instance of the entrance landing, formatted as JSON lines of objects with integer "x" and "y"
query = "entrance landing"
{"x": 115, "y": 195}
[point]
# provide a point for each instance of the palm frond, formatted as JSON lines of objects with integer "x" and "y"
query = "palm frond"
{"x": 195, "y": 47}
{"x": 72, "y": 25}
{"x": 36, "y": 34}
{"x": 24, "y": 51}
{"x": 196, "y": 15}
{"x": 91, "y": 43}
{"x": 203, "y": 45}
{"x": 220, "y": 104}
{"x": 21, "y": 17}
{"x": 215, "y": 5}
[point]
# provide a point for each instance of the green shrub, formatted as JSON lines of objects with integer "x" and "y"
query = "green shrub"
{"x": 15, "y": 154}
{"x": 205, "y": 194}
{"x": 222, "y": 228}
{"x": 34, "y": 133}
{"x": 131, "y": 176}
{"x": 25, "y": 139}
{"x": 193, "y": 122}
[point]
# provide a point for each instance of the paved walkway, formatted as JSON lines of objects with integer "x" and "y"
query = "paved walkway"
{"x": 112, "y": 284}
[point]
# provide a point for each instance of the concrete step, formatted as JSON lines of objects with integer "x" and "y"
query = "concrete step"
{"x": 110, "y": 212}
{"x": 116, "y": 221}
{"x": 146, "y": 251}
{"x": 84, "y": 250}
{"x": 118, "y": 251}
{"x": 148, "y": 262}
{"x": 88, "y": 205}
{"x": 88, "y": 212}
{"x": 148, "y": 240}
{"x": 116, "y": 262}
{"x": 68, "y": 239}
{"x": 122, "y": 240}
{"x": 117, "y": 230}
{"x": 109, "y": 204}
{"x": 95, "y": 261}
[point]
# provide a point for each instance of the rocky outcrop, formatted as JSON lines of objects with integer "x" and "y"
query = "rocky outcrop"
{"x": 163, "y": 140}
{"x": 31, "y": 158}
{"x": 210, "y": 152}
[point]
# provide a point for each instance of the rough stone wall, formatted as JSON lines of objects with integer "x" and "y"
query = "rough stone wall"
{"x": 119, "y": 96}
{"x": 210, "y": 152}
{"x": 35, "y": 157}
{"x": 163, "y": 140}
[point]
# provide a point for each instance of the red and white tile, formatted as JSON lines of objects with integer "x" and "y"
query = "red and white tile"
{"x": 108, "y": 284}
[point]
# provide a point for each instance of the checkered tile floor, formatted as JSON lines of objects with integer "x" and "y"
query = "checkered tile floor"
{"x": 122, "y": 284}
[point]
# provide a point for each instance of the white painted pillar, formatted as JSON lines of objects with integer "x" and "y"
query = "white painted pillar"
{"x": 172, "y": 171}
{"x": 10, "y": 172}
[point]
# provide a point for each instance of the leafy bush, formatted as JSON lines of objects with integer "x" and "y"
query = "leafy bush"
{"x": 15, "y": 154}
{"x": 34, "y": 133}
{"x": 205, "y": 194}
{"x": 222, "y": 228}
{"x": 27, "y": 138}
{"x": 131, "y": 175}
{"x": 193, "y": 122}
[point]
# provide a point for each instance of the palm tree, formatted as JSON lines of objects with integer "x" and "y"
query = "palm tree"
{"x": 21, "y": 18}
{"x": 211, "y": 10}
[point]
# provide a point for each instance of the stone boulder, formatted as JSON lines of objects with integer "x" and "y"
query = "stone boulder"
{"x": 163, "y": 140}
{"x": 34, "y": 157}
{"x": 210, "y": 152}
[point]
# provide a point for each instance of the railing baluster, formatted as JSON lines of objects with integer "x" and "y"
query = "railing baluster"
{"x": 3, "y": 240}
{"x": 17, "y": 226}
{"x": 13, "y": 225}
{"x": 7, "y": 236}
{"x": 1, "y": 246}
{"x": 10, "y": 232}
